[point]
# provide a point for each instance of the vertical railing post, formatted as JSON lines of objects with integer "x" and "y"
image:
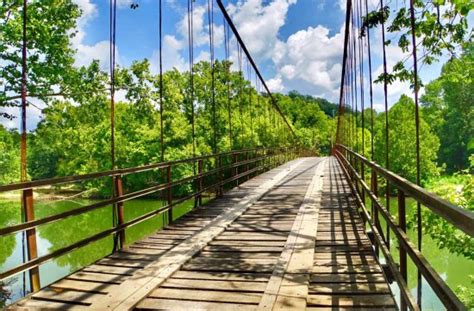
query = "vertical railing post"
{"x": 118, "y": 190}
{"x": 247, "y": 157}
{"x": 375, "y": 216}
{"x": 169, "y": 193}
{"x": 362, "y": 174}
{"x": 200, "y": 182}
{"x": 402, "y": 223}
{"x": 235, "y": 170}
{"x": 220, "y": 187}
{"x": 32, "y": 250}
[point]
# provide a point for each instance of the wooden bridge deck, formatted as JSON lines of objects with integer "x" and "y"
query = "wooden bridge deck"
{"x": 289, "y": 238}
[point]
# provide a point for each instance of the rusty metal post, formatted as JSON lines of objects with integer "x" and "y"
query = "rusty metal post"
{"x": 235, "y": 170}
{"x": 219, "y": 189}
{"x": 375, "y": 216}
{"x": 29, "y": 212}
{"x": 118, "y": 190}
{"x": 402, "y": 223}
{"x": 169, "y": 193}
{"x": 200, "y": 182}
{"x": 362, "y": 174}
{"x": 247, "y": 165}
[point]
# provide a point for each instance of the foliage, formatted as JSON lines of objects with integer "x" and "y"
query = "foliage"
{"x": 449, "y": 108}
{"x": 466, "y": 294}
{"x": 459, "y": 190}
{"x": 73, "y": 136}
{"x": 440, "y": 26}
{"x": 402, "y": 146}
{"x": 50, "y": 26}
{"x": 314, "y": 127}
{"x": 9, "y": 156}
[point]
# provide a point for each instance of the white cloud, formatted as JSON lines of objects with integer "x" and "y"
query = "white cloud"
{"x": 301, "y": 61}
{"x": 171, "y": 55}
{"x": 275, "y": 84}
{"x": 124, "y": 3}
{"x": 259, "y": 24}
{"x": 87, "y": 53}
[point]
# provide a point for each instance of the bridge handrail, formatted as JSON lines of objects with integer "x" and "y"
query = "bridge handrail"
{"x": 277, "y": 154}
{"x": 115, "y": 172}
{"x": 350, "y": 162}
{"x": 457, "y": 216}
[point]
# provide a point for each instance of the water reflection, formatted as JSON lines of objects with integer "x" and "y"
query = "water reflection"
{"x": 51, "y": 237}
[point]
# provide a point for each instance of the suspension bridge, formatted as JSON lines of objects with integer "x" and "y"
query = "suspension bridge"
{"x": 286, "y": 229}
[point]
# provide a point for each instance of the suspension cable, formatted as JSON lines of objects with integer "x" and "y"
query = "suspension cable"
{"x": 385, "y": 91}
{"x": 113, "y": 26}
{"x": 162, "y": 145}
{"x": 191, "y": 75}
{"x": 227, "y": 58}
{"x": 371, "y": 94}
{"x": 112, "y": 30}
{"x": 361, "y": 75}
{"x": 417, "y": 130}
{"x": 241, "y": 80}
{"x": 23, "y": 142}
{"x": 249, "y": 78}
{"x": 210, "y": 14}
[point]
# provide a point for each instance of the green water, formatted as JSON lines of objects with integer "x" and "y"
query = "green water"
{"x": 454, "y": 269}
{"x": 51, "y": 237}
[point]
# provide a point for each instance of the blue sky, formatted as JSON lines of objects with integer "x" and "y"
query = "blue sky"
{"x": 297, "y": 44}
{"x": 275, "y": 21}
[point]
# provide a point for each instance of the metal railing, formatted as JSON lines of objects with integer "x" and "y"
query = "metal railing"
{"x": 224, "y": 169}
{"x": 354, "y": 165}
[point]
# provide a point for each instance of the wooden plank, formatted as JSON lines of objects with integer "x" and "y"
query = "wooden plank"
{"x": 370, "y": 300}
{"x": 244, "y": 255}
{"x": 92, "y": 287}
{"x": 240, "y": 237}
{"x": 346, "y": 273}
{"x": 247, "y": 249}
{"x": 347, "y": 269}
{"x": 210, "y": 296}
{"x": 109, "y": 270}
{"x": 131, "y": 291}
{"x": 123, "y": 262}
{"x": 231, "y": 267}
{"x": 247, "y": 243}
{"x": 347, "y": 278}
{"x": 344, "y": 261}
{"x": 349, "y": 288}
{"x": 385, "y": 308}
{"x": 97, "y": 277}
{"x": 212, "y": 262}
{"x": 254, "y": 277}
{"x": 67, "y": 296}
{"x": 288, "y": 285}
{"x": 245, "y": 286}
{"x": 35, "y": 304}
{"x": 177, "y": 304}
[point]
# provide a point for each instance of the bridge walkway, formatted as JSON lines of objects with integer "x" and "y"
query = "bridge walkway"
{"x": 288, "y": 238}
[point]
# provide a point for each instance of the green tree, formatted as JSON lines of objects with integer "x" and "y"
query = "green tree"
{"x": 402, "y": 145}
{"x": 9, "y": 156}
{"x": 50, "y": 26}
{"x": 449, "y": 105}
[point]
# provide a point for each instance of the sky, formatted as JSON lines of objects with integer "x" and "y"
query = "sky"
{"x": 297, "y": 44}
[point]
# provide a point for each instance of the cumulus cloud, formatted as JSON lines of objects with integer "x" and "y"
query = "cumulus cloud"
{"x": 87, "y": 53}
{"x": 301, "y": 60}
{"x": 275, "y": 84}
{"x": 174, "y": 46}
{"x": 259, "y": 24}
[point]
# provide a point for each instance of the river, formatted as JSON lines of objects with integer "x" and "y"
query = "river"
{"x": 453, "y": 269}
